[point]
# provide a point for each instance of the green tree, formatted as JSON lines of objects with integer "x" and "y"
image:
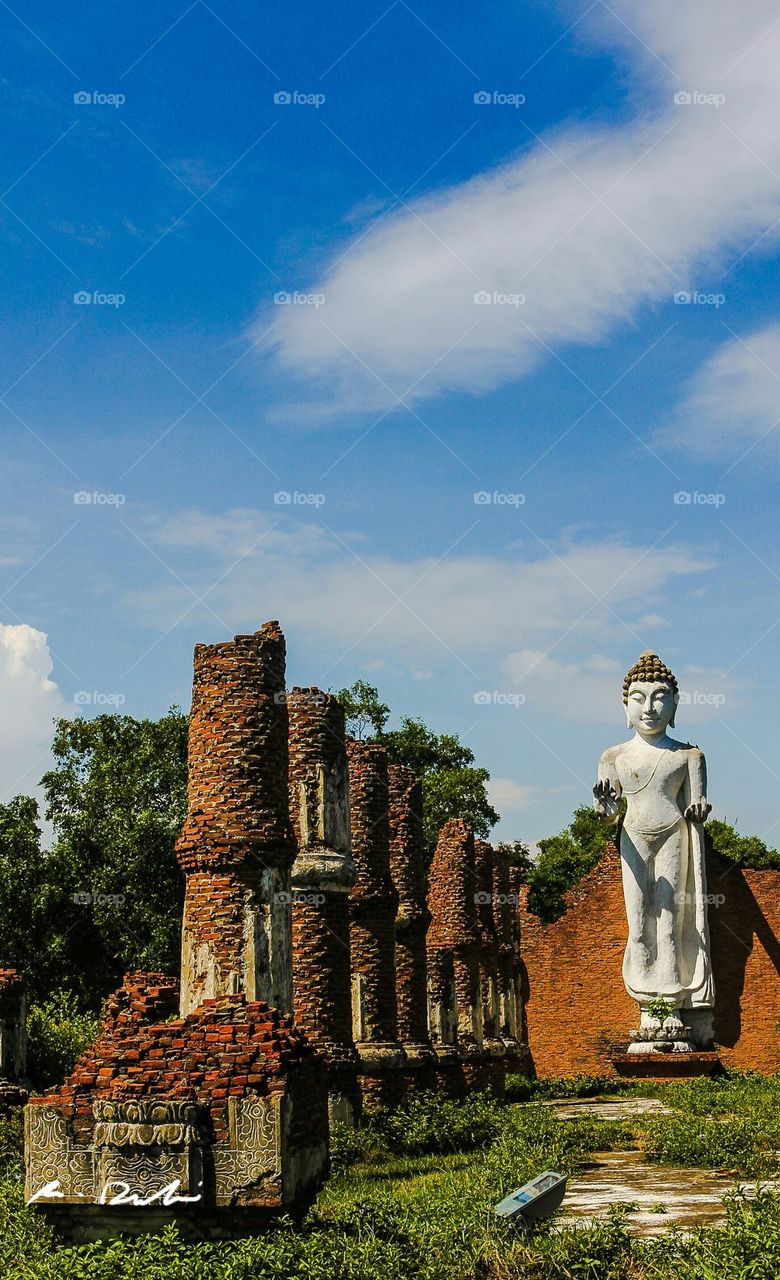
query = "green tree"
{"x": 563, "y": 861}
{"x": 362, "y": 709}
{"x": 33, "y": 902}
{"x": 453, "y": 787}
{"x": 750, "y": 851}
{"x": 117, "y": 798}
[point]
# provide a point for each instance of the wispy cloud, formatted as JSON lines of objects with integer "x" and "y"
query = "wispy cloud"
{"x": 591, "y": 223}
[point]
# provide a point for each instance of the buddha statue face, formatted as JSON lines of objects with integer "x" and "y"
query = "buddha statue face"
{"x": 650, "y": 707}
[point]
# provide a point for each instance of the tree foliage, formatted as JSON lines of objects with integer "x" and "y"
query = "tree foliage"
{"x": 453, "y": 787}
{"x": 563, "y": 861}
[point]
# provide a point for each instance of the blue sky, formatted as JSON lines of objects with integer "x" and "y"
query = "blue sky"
{"x": 612, "y": 191}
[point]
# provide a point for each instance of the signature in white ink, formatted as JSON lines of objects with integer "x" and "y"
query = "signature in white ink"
{"x": 122, "y": 1194}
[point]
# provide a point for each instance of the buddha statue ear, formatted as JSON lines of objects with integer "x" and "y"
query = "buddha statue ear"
{"x": 674, "y": 713}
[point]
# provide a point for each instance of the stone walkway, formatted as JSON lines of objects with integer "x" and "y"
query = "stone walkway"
{"x": 662, "y": 1196}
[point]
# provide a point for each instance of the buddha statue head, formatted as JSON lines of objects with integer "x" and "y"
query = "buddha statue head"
{"x": 650, "y": 696}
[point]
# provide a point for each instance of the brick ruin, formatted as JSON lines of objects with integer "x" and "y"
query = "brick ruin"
{"x": 407, "y": 867}
{"x": 203, "y": 1104}
{"x": 462, "y": 947}
{"x": 322, "y": 970}
{"x": 373, "y": 906}
{"x": 322, "y": 876}
{"x": 13, "y": 1039}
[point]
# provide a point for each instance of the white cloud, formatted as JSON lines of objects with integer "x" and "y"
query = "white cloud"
{"x": 467, "y": 608}
{"x": 30, "y": 701}
{"x": 592, "y": 223}
{"x": 507, "y": 795}
{"x": 733, "y": 401}
{"x": 591, "y": 691}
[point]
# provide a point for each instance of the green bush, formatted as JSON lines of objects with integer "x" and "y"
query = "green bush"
{"x": 57, "y": 1034}
{"x": 524, "y": 1089}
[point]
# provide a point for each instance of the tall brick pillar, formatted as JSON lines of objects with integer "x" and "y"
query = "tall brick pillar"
{"x": 454, "y": 948}
{"x": 518, "y": 1052}
{"x": 373, "y": 905}
{"x": 237, "y": 845}
{"x": 492, "y": 1042}
{"x": 407, "y": 867}
{"x": 322, "y": 875}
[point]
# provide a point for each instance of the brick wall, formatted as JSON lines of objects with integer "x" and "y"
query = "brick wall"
{"x": 577, "y": 1009}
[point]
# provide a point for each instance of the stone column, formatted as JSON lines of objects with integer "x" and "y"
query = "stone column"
{"x": 373, "y": 906}
{"x": 237, "y": 845}
{"x": 454, "y": 956}
{"x": 493, "y": 1044}
{"x": 322, "y": 875}
{"x": 407, "y": 866}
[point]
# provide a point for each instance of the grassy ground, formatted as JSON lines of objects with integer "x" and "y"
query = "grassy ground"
{"x": 412, "y": 1197}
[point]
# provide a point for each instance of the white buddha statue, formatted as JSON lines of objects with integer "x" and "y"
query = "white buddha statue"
{"x": 664, "y": 783}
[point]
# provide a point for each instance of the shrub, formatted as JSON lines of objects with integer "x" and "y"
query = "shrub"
{"x": 57, "y": 1034}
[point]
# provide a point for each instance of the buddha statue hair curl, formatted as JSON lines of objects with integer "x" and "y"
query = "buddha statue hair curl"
{"x": 650, "y": 668}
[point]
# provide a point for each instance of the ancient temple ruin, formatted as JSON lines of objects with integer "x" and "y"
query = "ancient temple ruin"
{"x": 205, "y": 1105}
{"x": 322, "y": 971}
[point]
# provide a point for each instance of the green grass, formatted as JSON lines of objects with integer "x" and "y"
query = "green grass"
{"x": 414, "y": 1194}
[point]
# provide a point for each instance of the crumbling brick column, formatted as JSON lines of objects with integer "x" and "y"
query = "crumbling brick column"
{"x": 493, "y": 1044}
{"x": 237, "y": 844}
{"x": 322, "y": 875}
{"x": 454, "y": 947}
{"x": 13, "y": 1038}
{"x": 373, "y": 906}
{"x": 407, "y": 867}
